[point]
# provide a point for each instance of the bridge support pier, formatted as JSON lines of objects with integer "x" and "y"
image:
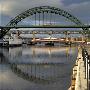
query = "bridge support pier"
{"x": 33, "y": 41}
{"x": 82, "y": 38}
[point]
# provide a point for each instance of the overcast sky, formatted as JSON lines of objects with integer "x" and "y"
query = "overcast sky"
{"x": 11, "y": 8}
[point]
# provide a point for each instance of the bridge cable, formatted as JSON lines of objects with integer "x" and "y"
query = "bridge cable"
{"x": 35, "y": 19}
{"x": 54, "y": 18}
{"x": 39, "y": 19}
{"x": 50, "y": 18}
{"x": 46, "y": 19}
{"x": 43, "y": 18}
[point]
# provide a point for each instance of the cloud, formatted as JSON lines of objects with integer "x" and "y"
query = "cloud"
{"x": 81, "y": 10}
{"x": 6, "y": 6}
{"x": 69, "y": 2}
{"x": 12, "y": 8}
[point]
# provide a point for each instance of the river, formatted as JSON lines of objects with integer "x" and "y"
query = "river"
{"x": 36, "y": 67}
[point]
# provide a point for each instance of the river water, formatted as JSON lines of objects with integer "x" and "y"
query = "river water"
{"x": 36, "y": 67}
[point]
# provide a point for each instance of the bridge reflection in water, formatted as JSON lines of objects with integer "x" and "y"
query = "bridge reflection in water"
{"x": 37, "y": 68}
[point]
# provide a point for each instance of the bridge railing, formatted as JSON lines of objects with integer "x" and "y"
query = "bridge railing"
{"x": 86, "y": 59}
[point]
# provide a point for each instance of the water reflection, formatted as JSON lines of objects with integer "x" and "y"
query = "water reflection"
{"x": 3, "y": 55}
{"x": 44, "y": 74}
{"x": 37, "y": 68}
{"x": 40, "y": 55}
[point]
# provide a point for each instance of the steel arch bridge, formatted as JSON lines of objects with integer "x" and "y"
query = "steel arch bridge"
{"x": 40, "y": 10}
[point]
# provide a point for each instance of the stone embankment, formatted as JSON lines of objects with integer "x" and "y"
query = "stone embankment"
{"x": 78, "y": 80}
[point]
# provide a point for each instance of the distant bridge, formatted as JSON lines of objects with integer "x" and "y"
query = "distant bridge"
{"x": 21, "y": 31}
{"x": 43, "y": 18}
{"x": 61, "y": 40}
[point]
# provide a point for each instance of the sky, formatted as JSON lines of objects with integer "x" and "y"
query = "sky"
{"x": 11, "y": 8}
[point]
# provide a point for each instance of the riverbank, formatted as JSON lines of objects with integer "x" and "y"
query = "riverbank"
{"x": 78, "y": 81}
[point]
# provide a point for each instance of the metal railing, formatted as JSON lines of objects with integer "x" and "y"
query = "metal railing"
{"x": 86, "y": 59}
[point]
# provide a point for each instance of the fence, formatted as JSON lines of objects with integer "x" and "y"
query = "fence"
{"x": 86, "y": 59}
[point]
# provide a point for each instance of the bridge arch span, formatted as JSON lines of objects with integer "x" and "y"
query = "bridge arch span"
{"x": 43, "y": 9}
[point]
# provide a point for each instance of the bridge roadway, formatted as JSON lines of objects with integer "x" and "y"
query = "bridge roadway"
{"x": 46, "y": 26}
